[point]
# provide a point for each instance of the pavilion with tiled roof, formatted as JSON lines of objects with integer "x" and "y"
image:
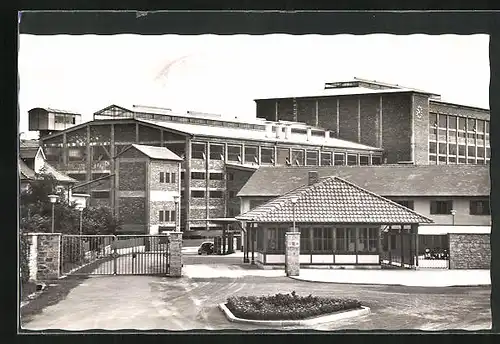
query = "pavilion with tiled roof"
{"x": 339, "y": 222}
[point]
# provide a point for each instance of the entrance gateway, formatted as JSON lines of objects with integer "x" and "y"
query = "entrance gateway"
{"x": 115, "y": 254}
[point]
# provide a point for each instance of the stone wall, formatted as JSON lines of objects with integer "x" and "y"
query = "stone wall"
{"x": 44, "y": 256}
{"x": 175, "y": 253}
{"x": 469, "y": 251}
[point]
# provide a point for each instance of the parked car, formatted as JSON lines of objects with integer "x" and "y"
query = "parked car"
{"x": 206, "y": 248}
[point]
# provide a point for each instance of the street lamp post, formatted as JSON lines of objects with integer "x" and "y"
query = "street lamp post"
{"x": 453, "y": 212}
{"x": 53, "y": 200}
{"x": 81, "y": 219}
{"x": 176, "y": 201}
{"x": 294, "y": 202}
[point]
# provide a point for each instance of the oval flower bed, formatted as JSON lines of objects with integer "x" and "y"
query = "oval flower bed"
{"x": 287, "y": 306}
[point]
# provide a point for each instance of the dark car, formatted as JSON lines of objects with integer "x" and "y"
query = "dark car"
{"x": 206, "y": 248}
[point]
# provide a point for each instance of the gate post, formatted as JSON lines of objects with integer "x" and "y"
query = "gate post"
{"x": 175, "y": 254}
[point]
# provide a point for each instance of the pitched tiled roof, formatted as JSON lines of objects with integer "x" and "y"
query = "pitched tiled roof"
{"x": 333, "y": 200}
{"x": 385, "y": 180}
{"x": 59, "y": 176}
{"x": 28, "y": 152}
{"x": 160, "y": 153}
{"x": 25, "y": 173}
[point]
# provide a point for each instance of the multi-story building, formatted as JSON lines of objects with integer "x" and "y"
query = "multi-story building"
{"x": 210, "y": 146}
{"x": 410, "y": 125}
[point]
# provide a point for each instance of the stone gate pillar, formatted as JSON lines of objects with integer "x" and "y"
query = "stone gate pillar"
{"x": 44, "y": 256}
{"x": 175, "y": 254}
{"x": 292, "y": 253}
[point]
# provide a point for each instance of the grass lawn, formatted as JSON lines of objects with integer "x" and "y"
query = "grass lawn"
{"x": 287, "y": 306}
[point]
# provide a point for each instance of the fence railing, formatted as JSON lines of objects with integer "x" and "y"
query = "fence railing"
{"x": 433, "y": 263}
{"x": 110, "y": 254}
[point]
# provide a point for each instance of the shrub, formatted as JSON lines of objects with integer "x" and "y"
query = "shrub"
{"x": 287, "y": 306}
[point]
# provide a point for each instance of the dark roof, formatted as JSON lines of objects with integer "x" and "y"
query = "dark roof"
{"x": 28, "y": 152}
{"x": 385, "y": 180}
{"x": 59, "y": 176}
{"x": 25, "y": 173}
{"x": 154, "y": 152}
{"x": 333, "y": 200}
{"x": 51, "y": 110}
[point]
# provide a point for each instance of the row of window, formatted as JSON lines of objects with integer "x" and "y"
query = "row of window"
{"x": 460, "y": 123}
{"x": 443, "y": 159}
{"x": 451, "y": 149}
{"x": 284, "y": 156}
{"x": 325, "y": 239}
{"x": 212, "y": 194}
{"x": 167, "y": 177}
{"x": 202, "y": 176}
{"x": 459, "y": 136}
{"x": 166, "y": 216}
{"x": 476, "y": 207}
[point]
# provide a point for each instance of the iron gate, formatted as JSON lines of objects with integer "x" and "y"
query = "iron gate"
{"x": 114, "y": 254}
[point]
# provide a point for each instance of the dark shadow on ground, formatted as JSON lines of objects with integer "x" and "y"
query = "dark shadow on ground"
{"x": 55, "y": 292}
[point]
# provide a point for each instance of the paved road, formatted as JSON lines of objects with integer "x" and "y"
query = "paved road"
{"x": 145, "y": 302}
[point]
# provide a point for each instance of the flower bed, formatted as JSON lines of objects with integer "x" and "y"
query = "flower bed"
{"x": 287, "y": 306}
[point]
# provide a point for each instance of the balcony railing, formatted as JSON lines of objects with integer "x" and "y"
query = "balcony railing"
{"x": 82, "y": 165}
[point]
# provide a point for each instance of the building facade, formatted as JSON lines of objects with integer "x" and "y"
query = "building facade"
{"x": 209, "y": 147}
{"x": 410, "y": 125}
{"x": 455, "y": 198}
{"x": 147, "y": 189}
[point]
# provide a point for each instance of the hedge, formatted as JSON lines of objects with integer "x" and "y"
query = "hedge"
{"x": 287, "y": 306}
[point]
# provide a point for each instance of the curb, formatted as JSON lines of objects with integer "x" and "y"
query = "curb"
{"x": 305, "y": 322}
{"x": 392, "y": 284}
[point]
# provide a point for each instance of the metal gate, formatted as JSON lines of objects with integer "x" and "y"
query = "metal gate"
{"x": 115, "y": 254}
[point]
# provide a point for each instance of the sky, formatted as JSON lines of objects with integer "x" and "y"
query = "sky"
{"x": 224, "y": 74}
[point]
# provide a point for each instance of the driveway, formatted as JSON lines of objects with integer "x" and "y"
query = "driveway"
{"x": 145, "y": 302}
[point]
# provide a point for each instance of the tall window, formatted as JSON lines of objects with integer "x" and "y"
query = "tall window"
{"x": 305, "y": 241}
{"x": 326, "y": 159}
{"x": 442, "y": 121}
{"x": 368, "y": 239}
{"x": 322, "y": 239}
{"x": 283, "y": 156}
{"x": 311, "y": 158}
{"x": 266, "y": 155}
{"x": 234, "y": 153}
{"x": 167, "y": 177}
{"x": 364, "y": 160}
{"x": 345, "y": 240}
{"x": 297, "y": 157}
{"x": 251, "y": 154}
{"x": 480, "y": 207}
{"x": 276, "y": 240}
{"x": 441, "y": 207}
{"x": 198, "y": 151}
{"x": 339, "y": 159}
{"x": 352, "y": 159}
{"x": 216, "y": 152}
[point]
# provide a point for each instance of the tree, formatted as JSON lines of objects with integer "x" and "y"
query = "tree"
{"x": 36, "y": 212}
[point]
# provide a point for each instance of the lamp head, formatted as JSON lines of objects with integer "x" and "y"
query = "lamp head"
{"x": 453, "y": 212}
{"x": 53, "y": 198}
{"x": 176, "y": 199}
